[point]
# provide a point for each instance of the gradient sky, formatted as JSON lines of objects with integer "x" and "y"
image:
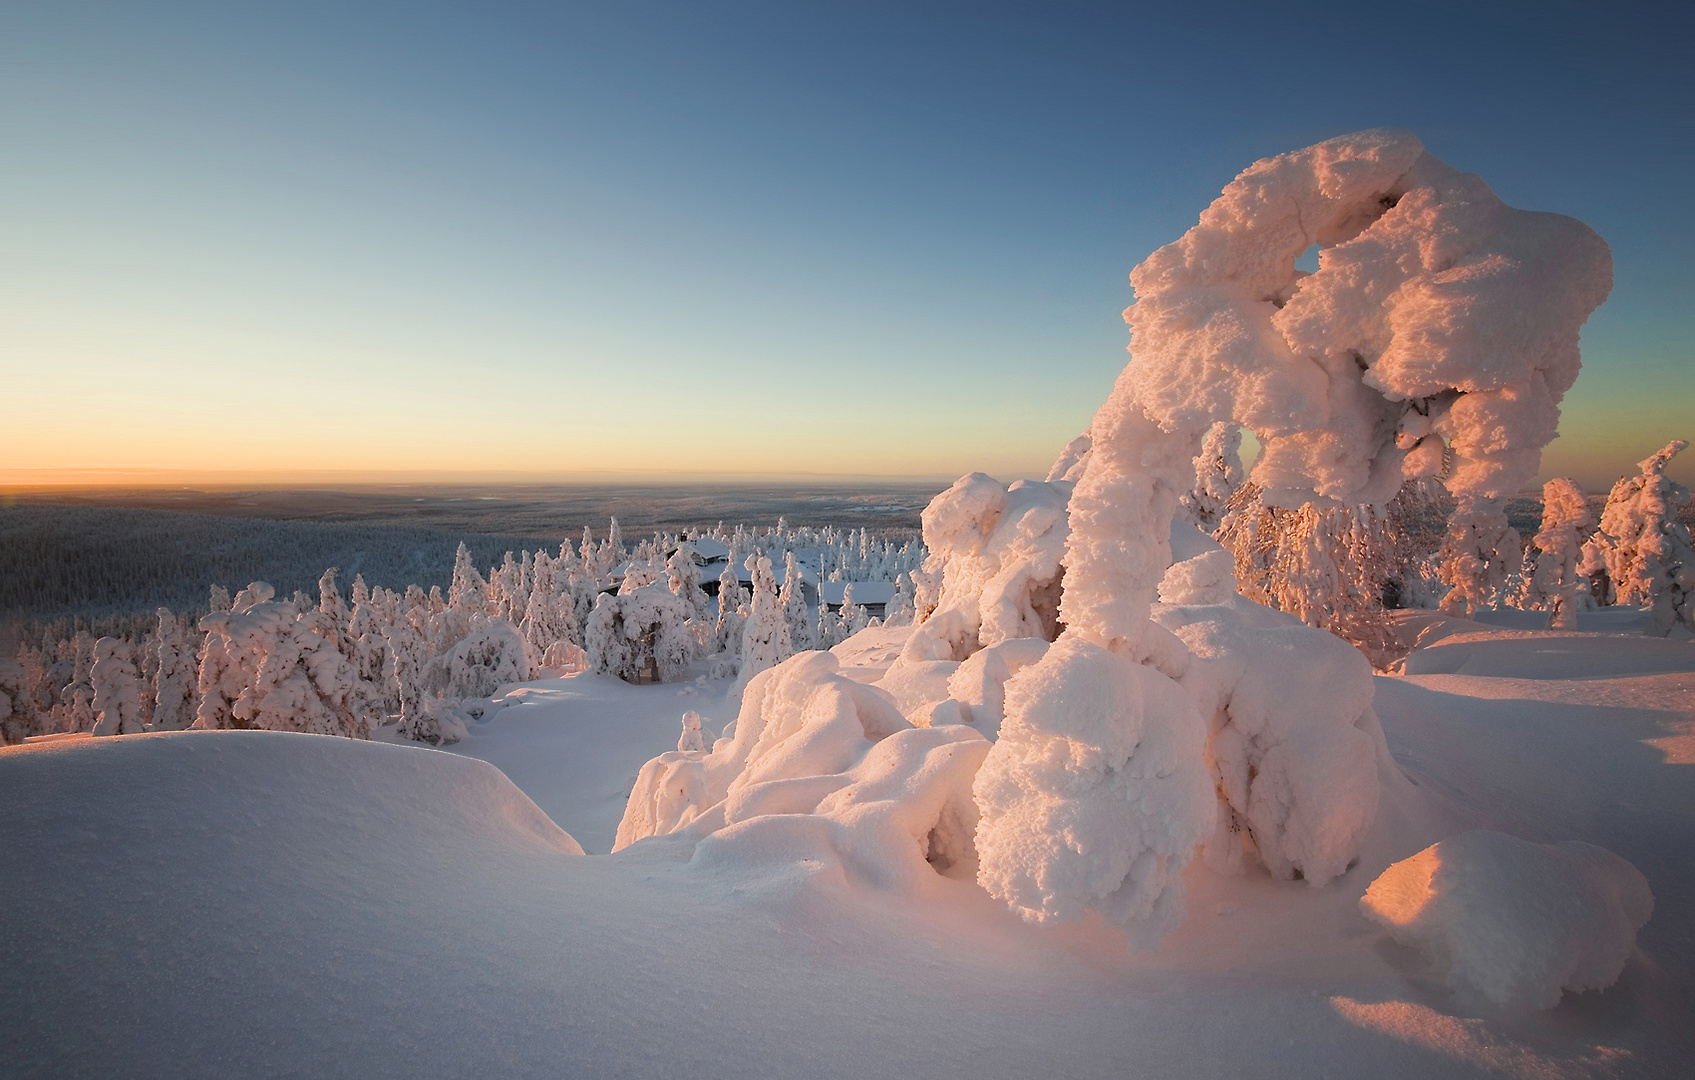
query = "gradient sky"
{"x": 559, "y": 240}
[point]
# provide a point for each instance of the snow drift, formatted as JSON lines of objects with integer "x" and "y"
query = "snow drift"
{"x": 819, "y": 767}
{"x": 1513, "y": 922}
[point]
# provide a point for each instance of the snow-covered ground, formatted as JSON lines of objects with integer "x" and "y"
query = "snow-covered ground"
{"x": 266, "y": 904}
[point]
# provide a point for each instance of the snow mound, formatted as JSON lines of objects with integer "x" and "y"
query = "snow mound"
{"x": 997, "y": 550}
{"x": 979, "y": 684}
{"x": 1513, "y": 922}
{"x": 1095, "y": 795}
{"x": 823, "y": 768}
{"x": 1293, "y": 745}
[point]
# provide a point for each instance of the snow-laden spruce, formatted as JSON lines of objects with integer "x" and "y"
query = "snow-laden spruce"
{"x": 1643, "y": 551}
{"x": 1512, "y": 922}
{"x": 1439, "y": 333}
{"x": 1558, "y": 574}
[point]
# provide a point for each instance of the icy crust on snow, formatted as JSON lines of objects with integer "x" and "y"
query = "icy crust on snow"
{"x": 819, "y": 766}
{"x": 1439, "y": 319}
{"x": 1094, "y": 796}
{"x": 997, "y": 549}
{"x": 1513, "y": 922}
{"x": 1293, "y": 743}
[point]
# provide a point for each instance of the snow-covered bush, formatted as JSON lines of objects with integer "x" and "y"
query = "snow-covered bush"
{"x": 1566, "y": 521}
{"x": 997, "y": 550}
{"x": 1645, "y": 552}
{"x": 490, "y": 656}
{"x": 1512, "y": 922}
{"x": 640, "y": 636}
{"x": 818, "y": 766}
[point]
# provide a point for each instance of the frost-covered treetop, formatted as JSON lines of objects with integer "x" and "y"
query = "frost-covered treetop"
{"x": 1439, "y": 318}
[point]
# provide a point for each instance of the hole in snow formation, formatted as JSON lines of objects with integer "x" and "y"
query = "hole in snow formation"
{"x": 1308, "y": 260}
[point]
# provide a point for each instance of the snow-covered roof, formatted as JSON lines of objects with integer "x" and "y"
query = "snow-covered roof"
{"x": 709, "y": 549}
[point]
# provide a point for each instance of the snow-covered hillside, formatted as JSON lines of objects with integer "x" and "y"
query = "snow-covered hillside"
{"x": 255, "y": 903}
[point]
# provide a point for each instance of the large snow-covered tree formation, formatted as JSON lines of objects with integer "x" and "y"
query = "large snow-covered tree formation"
{"x": 1438, "y": 335}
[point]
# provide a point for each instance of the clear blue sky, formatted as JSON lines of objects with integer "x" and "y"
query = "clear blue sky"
{"x": 557, "y": 239}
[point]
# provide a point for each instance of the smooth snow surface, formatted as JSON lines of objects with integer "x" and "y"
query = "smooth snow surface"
{"x": 1512, "y": 921}
{"x": 255, "y": 904}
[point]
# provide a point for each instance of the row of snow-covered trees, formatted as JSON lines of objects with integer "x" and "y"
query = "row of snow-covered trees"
{"x": 1342, "y": 567}
{"x": 342, "y": 666}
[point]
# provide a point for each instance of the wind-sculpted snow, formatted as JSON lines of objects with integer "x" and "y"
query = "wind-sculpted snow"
{"x": 1293, "y": 744}
{"x": 998, "y": 552}
{"x": 1513, "y": 922}
{"x": 1095, "y": 795}
{"x": 1436, "y": 338}
{"x": 818, "y": 767}
{"x": 1438, "y": 316}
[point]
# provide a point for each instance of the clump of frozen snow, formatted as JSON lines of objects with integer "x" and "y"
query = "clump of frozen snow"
{"x": 978, "y": 685}
{"x": 1293, "y": 742}
{"x": 818, "y": 767}
{"x": 1513, "y": 922}
{"x": 1095, "y": 795}
{"x": 997, "y": 551}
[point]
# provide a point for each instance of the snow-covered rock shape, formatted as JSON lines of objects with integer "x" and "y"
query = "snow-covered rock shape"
{"x": 1293, "y": 742}
{"x": 1440, "y": 324}
{"x": 819, "y": 767}
{"x": 1094, "y": 795}
{"x": 1513, "y": 922}
{"x": 997, "y": 549}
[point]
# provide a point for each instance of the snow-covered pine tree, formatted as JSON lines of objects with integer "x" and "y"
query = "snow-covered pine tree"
{"x": 792, "y": 599}
{"x": 1479, "y": 554}
{"x": 173, "y": 676}
{"x": 1566, "y": 521}
{"x": 765, "y": 639}
{"x": 1646, "y": 553}
{"x": 117, "y": 689}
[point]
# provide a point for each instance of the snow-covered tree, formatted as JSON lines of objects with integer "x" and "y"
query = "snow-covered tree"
{"x": 1645, "y": 552}
{"x": 268, "y": 665}
{"x": 682, "y": 574}
{"x": 1218, "y": 473}
{"x": 117, "y": 689}
{"x": 765, "y": 638}
{"x": 1481, "y": 552}
{"x": 1437, "y": 336}
{"x": 728, "y": 632}
{"x": 640, "y": 636}
{"x": 793, "y": 602}
{"x": 489, "y": 657}
{"x": 1566, "y": 521}
{"x": 173, "y": 675}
